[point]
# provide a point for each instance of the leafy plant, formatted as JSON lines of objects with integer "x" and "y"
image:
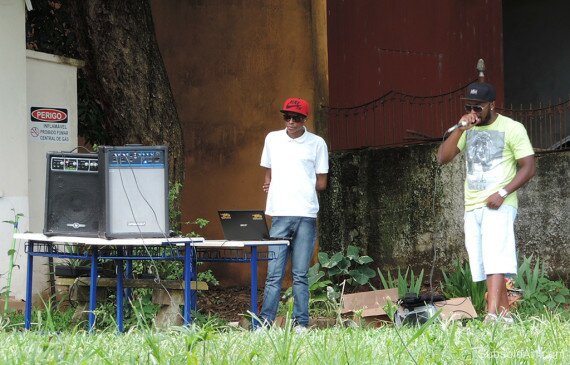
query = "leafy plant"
{"x": 539, "y": 292}
{"x": 11, "y": 265}
{"x": 208, "y": 277}
{"x": 459, "y": 283}
{"x": 352, "y": 268}
{"x": 174, "y": 211}
{"x": 413, "y": 285}
{"x": 390, "y": 308}
{"x": 76, "y": 251}
{"x": 330, "y": 273}
{"x": 528, "y": 278}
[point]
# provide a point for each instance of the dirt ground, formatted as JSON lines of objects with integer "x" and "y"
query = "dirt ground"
{"x": 226, "y": 303}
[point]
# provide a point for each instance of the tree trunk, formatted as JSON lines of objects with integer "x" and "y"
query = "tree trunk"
{"x": 126, "y": 75}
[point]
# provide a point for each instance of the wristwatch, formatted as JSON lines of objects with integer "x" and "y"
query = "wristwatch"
{"x": 503, "y": 193}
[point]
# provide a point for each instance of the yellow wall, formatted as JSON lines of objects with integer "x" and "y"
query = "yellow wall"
{"x": 231, "y": 65}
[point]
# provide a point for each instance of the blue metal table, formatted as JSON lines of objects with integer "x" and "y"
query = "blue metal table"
{"x": 189, "y": 250}
{"x": 94, "y": 249}
{"x": 236, "y": 251}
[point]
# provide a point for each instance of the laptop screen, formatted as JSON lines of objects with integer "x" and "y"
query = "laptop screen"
{"x": 244, "y": 225}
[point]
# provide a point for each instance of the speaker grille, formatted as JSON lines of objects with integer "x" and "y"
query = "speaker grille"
{"x": 72, "y": 195}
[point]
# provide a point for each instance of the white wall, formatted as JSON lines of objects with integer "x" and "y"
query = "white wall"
{"x": 13, "y": 145}
{"x": 51, "y": 83}
{"x": 28, "y": 79}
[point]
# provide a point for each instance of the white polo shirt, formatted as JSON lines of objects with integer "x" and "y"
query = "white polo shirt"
{"x": 294, "y": 165}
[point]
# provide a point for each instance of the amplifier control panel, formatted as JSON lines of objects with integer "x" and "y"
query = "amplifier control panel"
{"x": 137, "y": 158}
{"x": 74, "y": 164}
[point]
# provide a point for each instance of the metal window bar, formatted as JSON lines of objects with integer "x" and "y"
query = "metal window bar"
{"x": 548, "y": 127}
{"x": 399, "y": 119}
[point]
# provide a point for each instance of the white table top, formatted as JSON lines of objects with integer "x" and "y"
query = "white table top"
{"x": 105, "y": 242}
{"x": 238, "y": 244}
{"x": 196, "y": 241}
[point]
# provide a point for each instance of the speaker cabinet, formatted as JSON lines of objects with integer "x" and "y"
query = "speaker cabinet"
{"x": 134, "y": 184}
{"x": 72, "y": 195}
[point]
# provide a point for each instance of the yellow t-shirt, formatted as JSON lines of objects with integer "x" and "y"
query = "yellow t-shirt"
{"x": 491, "y": 154}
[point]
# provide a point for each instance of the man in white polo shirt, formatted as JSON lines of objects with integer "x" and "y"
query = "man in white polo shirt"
{"x": 296, "y": 166}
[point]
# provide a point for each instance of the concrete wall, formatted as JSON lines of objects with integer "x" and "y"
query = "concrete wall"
{"x": 231, "y": 65}
{"x": 398, "y": 204}
{"x": 28, "y": 79}
{"x": 13, "y": 137}
{"x": 51, "y": 83}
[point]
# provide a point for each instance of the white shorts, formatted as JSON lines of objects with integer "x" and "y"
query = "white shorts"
{"x": 490, "y": 241}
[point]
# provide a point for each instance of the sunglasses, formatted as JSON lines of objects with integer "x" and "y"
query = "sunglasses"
{"x": 476, "y": 108}
{"x": 296, "y": 117}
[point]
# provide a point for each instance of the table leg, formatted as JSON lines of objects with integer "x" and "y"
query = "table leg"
{"x": 120, "y": 290}
{"x": 187, "y": 282}
{"x": 29, "y": 276}
{"x": 254, "y": 280}
{"x": 93, "y": 288}
{"x": 129, "y": 275}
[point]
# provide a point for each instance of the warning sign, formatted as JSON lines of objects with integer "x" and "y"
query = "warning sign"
{"x": 49, "y": 125}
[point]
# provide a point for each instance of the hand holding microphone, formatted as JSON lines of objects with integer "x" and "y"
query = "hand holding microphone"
{"x": 464, "y": 122}
{"x": 461, "y": 123}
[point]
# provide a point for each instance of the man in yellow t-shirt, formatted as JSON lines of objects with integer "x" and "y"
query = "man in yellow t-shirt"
{"x": 499, "y": 159}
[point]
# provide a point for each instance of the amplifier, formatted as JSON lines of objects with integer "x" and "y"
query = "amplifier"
{"x": 134, "y": 184}
{"x": 72, "y": 195}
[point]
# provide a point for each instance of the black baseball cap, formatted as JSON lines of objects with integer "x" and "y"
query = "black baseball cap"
{"x": 480, "y": 91}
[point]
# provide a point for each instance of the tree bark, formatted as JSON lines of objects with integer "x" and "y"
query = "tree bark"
{"x": 126, "y": 75}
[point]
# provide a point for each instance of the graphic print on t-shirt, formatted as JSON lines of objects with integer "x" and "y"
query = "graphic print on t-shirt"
{"x": 484, "y": 154}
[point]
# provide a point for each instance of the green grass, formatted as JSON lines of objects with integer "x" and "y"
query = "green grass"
{"x": 540, "y": 340}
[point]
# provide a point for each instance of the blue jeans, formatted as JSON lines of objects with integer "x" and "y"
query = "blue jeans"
{"x": 303, "y": 232}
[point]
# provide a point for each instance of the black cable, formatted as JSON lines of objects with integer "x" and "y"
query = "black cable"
{"x": 157, "y": 278}
{"x": 78, "y": 147}
{"x": 434, "y": 247}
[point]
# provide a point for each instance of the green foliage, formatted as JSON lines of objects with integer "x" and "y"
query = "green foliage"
{"x": 208, "y": 277}
{"x": 528, "y": 278}
{"x": 328, "y": 277}
{"x": 51, "y": 317}
{"x": 404, "y": 285}
{"x": 140, "y": 314}
{"x": 11, "y": 253}
{"x": 390, "y": 308}
{"x": 74, "y": 250}
{"x": 539, "y": 292}
{"x": 459, "y": 283}
{"x": 537, "y": 340}
{"x": 175, "y": 214}
{"x": 350, "y": 268}
{"x": 210, "y": 323}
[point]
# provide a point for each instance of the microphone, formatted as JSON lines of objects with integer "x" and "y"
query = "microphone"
{"x": 461, "y": 123}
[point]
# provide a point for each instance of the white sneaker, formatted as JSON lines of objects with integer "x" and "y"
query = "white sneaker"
{"x": 300, "y": 329}
{"x": 505, "y": 318}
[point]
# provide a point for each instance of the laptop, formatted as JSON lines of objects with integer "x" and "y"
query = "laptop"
{"x": 245, "y": 225}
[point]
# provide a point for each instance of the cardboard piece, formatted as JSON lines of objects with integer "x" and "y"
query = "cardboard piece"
{"x": 456, "y": 308}
{"x": 371, "y": 304}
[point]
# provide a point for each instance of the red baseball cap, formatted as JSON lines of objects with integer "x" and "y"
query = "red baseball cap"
{"x": 296, "y": 105}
